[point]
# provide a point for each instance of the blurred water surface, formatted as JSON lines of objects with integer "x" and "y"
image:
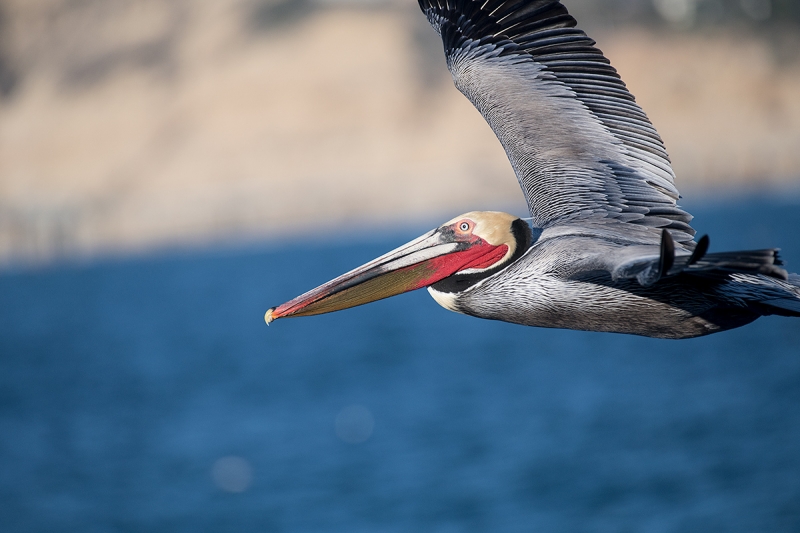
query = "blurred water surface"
{"x": 147, "y": 394}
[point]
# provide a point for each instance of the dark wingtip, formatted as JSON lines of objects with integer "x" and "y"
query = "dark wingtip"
{"x": 667, "y": 253}
{"x": 700, "y": 250}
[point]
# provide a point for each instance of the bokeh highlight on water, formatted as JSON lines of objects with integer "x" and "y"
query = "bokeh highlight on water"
{"x": 147, "y": 394}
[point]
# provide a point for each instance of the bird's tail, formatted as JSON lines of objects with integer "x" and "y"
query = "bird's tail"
{"x": 787, "y": 303}
{"x": 723, "y": 264}
{"x": 754, "y": 277}
{"x": 750, "y": 279}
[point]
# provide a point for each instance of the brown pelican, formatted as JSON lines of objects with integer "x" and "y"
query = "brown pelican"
{"x": 607, "y": 248}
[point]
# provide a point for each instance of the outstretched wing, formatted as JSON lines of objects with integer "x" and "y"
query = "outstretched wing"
{"x": 579, "y": 144}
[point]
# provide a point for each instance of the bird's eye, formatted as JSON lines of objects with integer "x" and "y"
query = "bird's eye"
{"x": 464, "y": 226}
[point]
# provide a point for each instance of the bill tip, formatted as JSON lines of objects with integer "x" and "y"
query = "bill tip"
{"x": 268, "y": 315}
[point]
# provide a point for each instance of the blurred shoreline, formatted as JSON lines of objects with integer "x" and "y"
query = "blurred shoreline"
{"x": 136, "y": 125}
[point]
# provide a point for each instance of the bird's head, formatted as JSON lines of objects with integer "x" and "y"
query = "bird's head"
{"x": 453, "y": 257}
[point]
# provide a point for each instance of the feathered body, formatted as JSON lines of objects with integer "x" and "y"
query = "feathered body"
{"x": 563, "y": 281}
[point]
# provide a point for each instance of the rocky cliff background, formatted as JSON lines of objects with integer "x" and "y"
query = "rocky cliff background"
{"x": 130, "y": 125}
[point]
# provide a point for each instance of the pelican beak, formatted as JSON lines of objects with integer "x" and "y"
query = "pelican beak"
{"x": 420, "y": 263}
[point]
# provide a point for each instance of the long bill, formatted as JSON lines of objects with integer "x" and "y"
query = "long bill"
{"x": 419, "y": 263}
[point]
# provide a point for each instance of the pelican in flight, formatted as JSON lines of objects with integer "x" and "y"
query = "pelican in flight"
{"x": 606, "y": 247}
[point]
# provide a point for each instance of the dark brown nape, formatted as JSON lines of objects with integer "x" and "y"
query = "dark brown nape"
{"x": 460, "y": 282}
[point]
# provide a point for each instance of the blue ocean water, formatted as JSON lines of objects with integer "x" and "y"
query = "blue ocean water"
{"x": 147, "y": 394}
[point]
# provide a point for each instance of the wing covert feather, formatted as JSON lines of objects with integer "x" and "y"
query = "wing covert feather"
{"x": 579, "y": 144}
